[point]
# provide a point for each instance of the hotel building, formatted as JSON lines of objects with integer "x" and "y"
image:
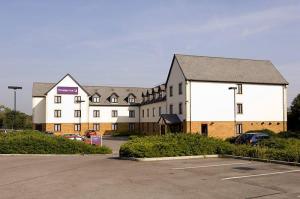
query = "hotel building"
{"x": 214, "y": 96}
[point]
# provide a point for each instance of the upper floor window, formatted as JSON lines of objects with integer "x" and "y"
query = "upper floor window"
{"x": 114, "y": 113}
{"x": 96, "y": 113}
{"x": 57, "y": 113}
{"x": 131, "y": 99}
{"x": 239, "y": 89}
{"x": 180, "y": 108}
{"x": 57, "y": 99}
{"x": 77, "y": 99}
{"x": 159, "y": 111}
{"x": 77, "y": 113}
{"x": 153, "y": 112}
{"x": 171, "y": 109}
{"x": 239, "y": 108}
{"x": 147, "y": 112}
{"x": 114, "y": 98}
{"x": 96, "y": 99}
{"x": 180, "y": 88}
{"x": 143, "y": 113}
{"x": 131, "y": 113}
{"x": 171, "y": 91}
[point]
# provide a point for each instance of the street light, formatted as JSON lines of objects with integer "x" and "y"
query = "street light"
{"x": 234, "y": 106}
{"x": 15, "y": 88}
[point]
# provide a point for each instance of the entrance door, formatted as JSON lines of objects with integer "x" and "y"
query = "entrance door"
{"x": 162, "y": 129}
{"x": 204, "y": 129}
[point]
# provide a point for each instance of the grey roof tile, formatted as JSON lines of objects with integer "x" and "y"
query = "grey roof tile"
{"x": 220, "y": 69}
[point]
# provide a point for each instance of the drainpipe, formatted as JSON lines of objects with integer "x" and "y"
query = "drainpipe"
{"x": 190, "y": 106}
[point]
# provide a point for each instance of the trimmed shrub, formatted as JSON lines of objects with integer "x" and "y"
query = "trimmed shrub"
{"x": 33, "y": 142}
{"x": 195, "y": 144}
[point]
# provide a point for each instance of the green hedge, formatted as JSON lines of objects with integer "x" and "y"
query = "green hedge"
{"x": 33, "y": 142}
{"x": 195, "y": 144}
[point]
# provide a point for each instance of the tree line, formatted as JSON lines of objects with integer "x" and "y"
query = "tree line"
{"x": 18, "y": 120}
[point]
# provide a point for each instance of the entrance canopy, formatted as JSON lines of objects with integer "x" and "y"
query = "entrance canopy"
{"x": 169, "y": 119}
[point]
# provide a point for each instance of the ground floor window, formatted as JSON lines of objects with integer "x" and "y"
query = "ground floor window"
{"x": 96, "y": 126}
{"x": 131, "y": 127}
{"x": 77, "y": 127}
{"x": 154, "y": 127}
{"x": 57, "y": 127}
{"x": 114, "y": 127}
{"x": 239, "y": 128}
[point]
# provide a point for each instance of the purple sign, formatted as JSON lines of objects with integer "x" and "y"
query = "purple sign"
{"x": 96, "y": 140}
{"x": 67, "y": 90}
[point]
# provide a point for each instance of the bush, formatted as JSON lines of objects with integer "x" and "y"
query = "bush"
{"x": 289, "y": 134}
{"x": 33, "y": 142}
{"x": 195, "y": 144}
{"x": 124, "y": 133}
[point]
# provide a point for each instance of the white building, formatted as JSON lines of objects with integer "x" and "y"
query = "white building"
{"x": 195, "y": 98}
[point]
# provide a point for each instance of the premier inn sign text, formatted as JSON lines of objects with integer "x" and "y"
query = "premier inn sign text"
{"x": 67, "y": 90}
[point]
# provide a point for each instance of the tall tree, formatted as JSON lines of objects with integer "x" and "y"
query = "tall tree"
{"x": 294, "y": 115}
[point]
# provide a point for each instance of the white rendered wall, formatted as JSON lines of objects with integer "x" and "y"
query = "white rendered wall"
{"x": 67, "y": 105}
{"x": 150, "y": 107}
{"x": 176, "y": 77}
{"x": 38, "y": 110}
{"x": 214, "y": 102}
{"x": 106, "y": 114}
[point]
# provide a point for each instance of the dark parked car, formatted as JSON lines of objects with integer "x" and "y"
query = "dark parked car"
{"x": 251, "y": 138}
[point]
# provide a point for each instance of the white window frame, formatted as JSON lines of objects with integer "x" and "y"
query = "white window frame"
{"x": 114, "y": 113}
{"x": 57, "y": 127}
{"x": 76, "y": 113}
{"x": 239, "y": 128}
{"x": 77, "y": 127}
{"x": 56, "y": 101}
{"x": 132, "y": 113}
{"x": 96, "y": 126}
{"x": 57, "y": 113}
{"x": 96, "y": 99}
{"x": 239, "y": 108}
{"x": 77, "y": 99}
{"x": 114, "y": 126}
{"x": 239, "y": 89}
{"x": 96, "y": 113}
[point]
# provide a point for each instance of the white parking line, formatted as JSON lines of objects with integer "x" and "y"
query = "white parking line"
{"x": 212, "y": 165}
{"x": 263, "y": 174}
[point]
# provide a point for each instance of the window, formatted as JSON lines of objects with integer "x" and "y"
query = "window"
{"x": 153, "y": 127}
{"x": 180, "y": 108}
{"x": 171, "y": 109}
{"x": 114, "y": 99}
{"x": 57, "y": 113}
{"x": 96, "y": 99}
{"x": 143, "y": 113}
{"x": 57, "y": 127}
{"x": 96, "y": 113}
{"x": 131, "y": 113}
{"x": 171, "y": 91}
{"x": 131, "y": 99}
{"x": 114, "y": 127}
{"x": 240, "y": 108}
{"x": 57, "y": 99}
{"x": 77, "y": 127}
{"x": 239, "y": 128}
{"x": 77, "y": 113}
{"x": 180, "y": 89}
{"x": 147, "y": 112}
{"x": 96, "y": 126}
{"x": 114, "y": 113}
{"x": 131, "y": 127}
{"x": 159, "y": 111}
{"x": 77, "y": 99}
{"x": 239, "y": 89}
{"x": 153, "y": 112}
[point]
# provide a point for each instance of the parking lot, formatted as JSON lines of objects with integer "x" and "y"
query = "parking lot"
{"x": 103, "y": 176}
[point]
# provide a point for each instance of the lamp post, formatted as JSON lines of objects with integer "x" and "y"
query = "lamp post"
{"x": 234, "y": 106}
{"x": 15, "y": 88}
{"x": 80, "y": 101}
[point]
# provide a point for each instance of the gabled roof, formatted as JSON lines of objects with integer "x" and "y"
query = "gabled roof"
{"x": 219, "y": 69}
{"x": 67, "y": 75}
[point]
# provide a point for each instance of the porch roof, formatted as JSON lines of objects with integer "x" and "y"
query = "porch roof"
{"x": 169, "y": 118}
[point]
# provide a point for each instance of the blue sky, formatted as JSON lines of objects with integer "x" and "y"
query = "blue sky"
{"x": 131, "y": 43}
